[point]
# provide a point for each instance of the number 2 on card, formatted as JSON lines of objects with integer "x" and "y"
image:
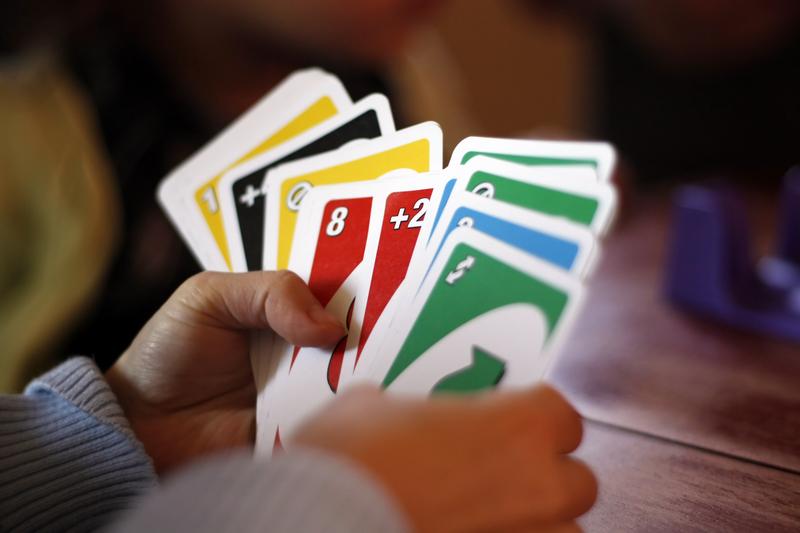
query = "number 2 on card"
{"x": 420, "y": 206}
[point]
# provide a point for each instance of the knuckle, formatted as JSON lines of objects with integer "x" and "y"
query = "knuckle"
{"x": 535, "y": 420}
{"x": 562, "y": 419}
{"x": 591, "y": 487}
{"x": 576, "y": 488}
{"x": 555, "y": 497}
{"x": 201, "y": 279}
{"x": 193, "y": 288}
{"x": 557, "y": 401}
{"x": 578, "y": 429}
{"x": 362, "y": 392}
{"x": 283, "y": 287}
{"x": 359, "y": 402}
{"x": 283, "y": 277}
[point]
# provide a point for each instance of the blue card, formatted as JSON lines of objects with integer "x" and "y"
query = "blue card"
{"x": 566, "y": 245}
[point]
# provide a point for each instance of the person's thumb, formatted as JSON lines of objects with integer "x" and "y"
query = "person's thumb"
{"x": 280, "y": 301}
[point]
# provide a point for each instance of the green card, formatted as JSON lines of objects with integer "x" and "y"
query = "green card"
{"x": 489, "y": 315}
{"x": 601, "y": 157}
{"x": 562, "y": 192}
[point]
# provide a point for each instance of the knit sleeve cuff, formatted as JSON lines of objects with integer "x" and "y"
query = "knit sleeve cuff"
{"x": 68, "y": 458}
{"x": 80, "y": 382}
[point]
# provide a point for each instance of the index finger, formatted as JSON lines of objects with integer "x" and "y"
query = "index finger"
{"x": 280, "y": 301}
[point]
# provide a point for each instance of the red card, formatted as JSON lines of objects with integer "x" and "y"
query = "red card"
{"x": 340, "y": 245}
{"x": 402, "y": 219}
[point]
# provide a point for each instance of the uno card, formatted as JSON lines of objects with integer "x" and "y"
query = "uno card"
{"x": 566, "y": 245}
{"x": 307, "y": 377}
{"x": 417, "y": 148}
{"x": 489, "y": 315}
{"x": 242, "y": 189}
{"x": 265, "y": 366}
{"x": 588, "y": 204}
{"x": 189, "y": 195}
{"x": 399, "y": 216}
{"x": 304, "y": 376}
{"x": 575, "y": 174}
{"x": 597, "y": 155}
{"x": 561, "y": 243}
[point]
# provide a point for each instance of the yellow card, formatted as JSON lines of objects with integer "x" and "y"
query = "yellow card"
{"x": 417, "y": 148}
{"x": 206, "y": 197}
{"x": 188, "y": 194}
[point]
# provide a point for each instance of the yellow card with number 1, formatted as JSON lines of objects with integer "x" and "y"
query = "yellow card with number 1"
{"x": 302, "y": 101}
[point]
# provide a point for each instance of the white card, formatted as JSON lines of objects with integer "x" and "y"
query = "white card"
{"x": 194, "y": 179}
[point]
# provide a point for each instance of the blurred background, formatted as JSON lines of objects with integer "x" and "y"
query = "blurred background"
{"x": 100, "y": 100}
{"x": 691, "y": 424}
{"x": 681, "y": 87}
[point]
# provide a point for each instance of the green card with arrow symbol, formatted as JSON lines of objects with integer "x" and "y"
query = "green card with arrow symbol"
{"x": 487, "y": 316}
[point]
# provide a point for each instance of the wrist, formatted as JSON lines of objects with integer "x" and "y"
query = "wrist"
{"x": 124, "y": 390}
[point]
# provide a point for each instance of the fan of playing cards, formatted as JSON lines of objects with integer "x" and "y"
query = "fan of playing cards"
{"x": 453, "y": 279}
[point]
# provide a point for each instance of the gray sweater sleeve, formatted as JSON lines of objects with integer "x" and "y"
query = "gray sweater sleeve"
{"x": 68, "y": 458}
{"x": 301, "y": 491}
{"x": 70, "y": 462}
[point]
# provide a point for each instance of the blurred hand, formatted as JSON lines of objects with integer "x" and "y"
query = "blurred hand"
{"x": 491, "y": 462}
{"x": 494, "y": 461}
{"x": 186, "y": 383}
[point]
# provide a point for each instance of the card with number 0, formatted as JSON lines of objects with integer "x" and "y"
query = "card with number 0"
{"x": 242, "y": 190}
{"x": 417, "y": 148}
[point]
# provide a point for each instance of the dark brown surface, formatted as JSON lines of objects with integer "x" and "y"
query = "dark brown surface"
{"x": 653, "y": 486}
{"x": 635, "y": 362}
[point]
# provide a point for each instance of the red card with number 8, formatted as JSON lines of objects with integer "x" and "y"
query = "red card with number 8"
{"x": 334, "y": 278}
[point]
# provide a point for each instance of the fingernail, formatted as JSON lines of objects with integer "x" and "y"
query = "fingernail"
{"x": 324, "y": 318}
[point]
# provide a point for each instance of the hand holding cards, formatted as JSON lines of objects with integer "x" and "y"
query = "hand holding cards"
{"x": 449, "y": 280}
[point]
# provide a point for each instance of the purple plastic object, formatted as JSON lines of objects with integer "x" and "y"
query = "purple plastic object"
{"x": 783, "y": 269}
{"x": 789, "y": 236}
{"x": 711, "y": 271}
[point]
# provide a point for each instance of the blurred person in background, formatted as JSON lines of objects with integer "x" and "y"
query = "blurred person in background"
{"x": 691, "y": 88}
{"x": 100, "y": 100}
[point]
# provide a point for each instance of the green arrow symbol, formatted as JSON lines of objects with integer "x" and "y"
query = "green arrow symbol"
{"x": 485, "y": 372}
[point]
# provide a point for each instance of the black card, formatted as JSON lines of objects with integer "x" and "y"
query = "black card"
{"x": 247, "y": 189}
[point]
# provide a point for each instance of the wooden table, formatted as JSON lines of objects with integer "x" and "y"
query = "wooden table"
{"x": 691, "y": 425}
{"x": 653, "y": 486}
